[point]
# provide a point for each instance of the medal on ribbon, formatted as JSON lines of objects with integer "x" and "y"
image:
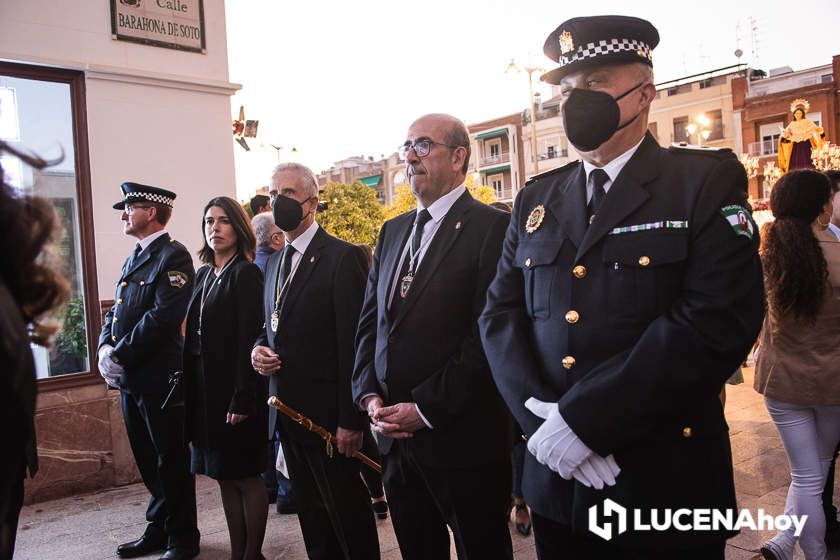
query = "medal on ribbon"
{"x": 275, "y": 320}
{"x": 405, "y": 284}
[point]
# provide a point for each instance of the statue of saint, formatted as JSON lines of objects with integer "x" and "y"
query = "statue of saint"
{"x": 798, "y": 138}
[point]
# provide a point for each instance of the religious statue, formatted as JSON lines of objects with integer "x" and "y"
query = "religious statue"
{"x": 798, "y": 138}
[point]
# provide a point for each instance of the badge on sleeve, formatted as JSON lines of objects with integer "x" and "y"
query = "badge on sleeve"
{"x": 177, "y": 279}
{"x": 739, "y": 219}
{"x": 535, "y": 219}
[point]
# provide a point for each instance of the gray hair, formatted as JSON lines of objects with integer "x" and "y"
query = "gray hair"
{"x": 264, "y": 228}
{"x": 307, "y": 178}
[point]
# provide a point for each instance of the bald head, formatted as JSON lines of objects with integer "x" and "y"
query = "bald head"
{"x": 454, "y": 131}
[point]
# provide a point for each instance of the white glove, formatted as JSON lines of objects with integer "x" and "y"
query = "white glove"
{"x": 108, "y": 369}
{"x": 597, "y": 471}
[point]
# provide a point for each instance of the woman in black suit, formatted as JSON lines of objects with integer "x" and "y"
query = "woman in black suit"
{"x": 226, "y": 407}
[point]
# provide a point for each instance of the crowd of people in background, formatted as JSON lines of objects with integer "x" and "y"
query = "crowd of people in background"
{"x": 497, "y": 364}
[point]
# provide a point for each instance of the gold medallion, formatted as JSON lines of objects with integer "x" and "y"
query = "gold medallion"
{"x": 566, "y": 42}
{"x": 535, "y": 219}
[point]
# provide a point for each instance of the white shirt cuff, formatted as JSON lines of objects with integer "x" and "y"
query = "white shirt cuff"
{"x": 423, "y": 418}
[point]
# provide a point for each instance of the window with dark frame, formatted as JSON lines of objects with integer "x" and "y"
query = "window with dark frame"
{"x": 43, "y": 107}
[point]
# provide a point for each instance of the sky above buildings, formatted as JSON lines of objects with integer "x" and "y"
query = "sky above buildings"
{"x": 336, "y": 79}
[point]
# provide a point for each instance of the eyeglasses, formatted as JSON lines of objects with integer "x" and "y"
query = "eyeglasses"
{"x": 130, "y": 208}
{"x": 421, "y": 147}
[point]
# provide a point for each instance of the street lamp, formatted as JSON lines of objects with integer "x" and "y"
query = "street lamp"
{"x": 701, "y": 127}
{"x": 514, "y": 67}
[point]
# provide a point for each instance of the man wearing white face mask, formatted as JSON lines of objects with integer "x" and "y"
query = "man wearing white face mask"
{"x": 628, "y": 290}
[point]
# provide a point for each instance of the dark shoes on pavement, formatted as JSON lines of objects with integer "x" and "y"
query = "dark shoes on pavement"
{"x": 380, "y": 508}
{"x": 141, "y": 547}
{"x": 523, "y": 527}
{"x": 179, "y": 554}
{"x": 284, "y": 507}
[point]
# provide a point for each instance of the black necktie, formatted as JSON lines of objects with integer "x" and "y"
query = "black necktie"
{"x": 599, "y": 179}
{"x": 285, "y": 267}
{"x": 134, "y": 255}
{"x": 408, "y": 266}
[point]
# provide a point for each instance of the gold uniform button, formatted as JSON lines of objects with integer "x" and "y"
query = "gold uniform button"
{"x": 579, "y": 271}
{"x": 568, "y": 362}
{"x": 572, "y": 316}
{"x": 142, "y": 282}
{"x": 687, "y": 433}
{"x": 123, "y": 284}
{"x": 644, "y": 260}
{"x": 119, "y": 300}
{"x": 528, "y": 261}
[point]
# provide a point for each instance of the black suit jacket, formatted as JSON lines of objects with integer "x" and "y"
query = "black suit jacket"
{"x": 314, "y": 340}
{"x": 666, "y": 312}
{"x": 144, "y": 325}
{"x": 431, "y": 354}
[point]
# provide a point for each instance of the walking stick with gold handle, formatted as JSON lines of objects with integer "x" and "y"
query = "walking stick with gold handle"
{"x": 328, "y": 438}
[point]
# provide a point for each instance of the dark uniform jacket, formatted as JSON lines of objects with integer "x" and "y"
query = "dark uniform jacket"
{"x": 144, "y": 325}
{"x": 318, "y": 318}
{"x": 631, "y": 330}
{"x": 430, "y": 353}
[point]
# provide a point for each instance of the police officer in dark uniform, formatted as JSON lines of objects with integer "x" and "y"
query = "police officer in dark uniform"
{"x": 139, "y": 350}
{"x": 629, "y": 289}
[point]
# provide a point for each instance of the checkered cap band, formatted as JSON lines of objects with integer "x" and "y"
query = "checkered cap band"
{"x": 150, "y": 197}
{"x": 607, "y": 46}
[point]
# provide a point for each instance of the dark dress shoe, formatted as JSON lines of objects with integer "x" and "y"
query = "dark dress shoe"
{"x": 179, "y": 554}
{"x": 523, "y": 529}
{"x": 768, "y": 553}
{"x": 286, "y": 507}
{"x": 380, "y": 508}
{"x": 141, "y": 547}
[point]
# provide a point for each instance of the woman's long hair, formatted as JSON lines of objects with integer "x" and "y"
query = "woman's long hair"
{"x": 28, "y": 227}
{"x": 246, "y": 241}
{"x": 795, "y": 270}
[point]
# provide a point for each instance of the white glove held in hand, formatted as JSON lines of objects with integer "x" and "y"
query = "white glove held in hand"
{"x": 597, "y": 471}
{"x": 554, "y": 444}
{"x": 108, "y": 369}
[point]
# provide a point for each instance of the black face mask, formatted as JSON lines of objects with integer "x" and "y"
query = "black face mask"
{"x": 592, "y": 117}
{"x": 288, "y": 212}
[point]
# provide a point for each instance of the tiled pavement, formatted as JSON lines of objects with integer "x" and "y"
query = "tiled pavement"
{"x": 91, "y": 526}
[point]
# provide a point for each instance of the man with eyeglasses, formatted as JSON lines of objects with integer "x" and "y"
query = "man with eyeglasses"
{"x": 420, "y": 371}
{"x": 139, "y": 350}
{"x": 627, "y": 293}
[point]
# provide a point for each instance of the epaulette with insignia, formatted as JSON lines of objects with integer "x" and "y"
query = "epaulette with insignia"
{"x": 551, "y": 172}
{"x": 683, "y": 148}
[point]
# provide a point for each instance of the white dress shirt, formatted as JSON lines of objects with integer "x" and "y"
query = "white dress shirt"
{"x": 612, "y": 169}
{"x": 301, "y": 243}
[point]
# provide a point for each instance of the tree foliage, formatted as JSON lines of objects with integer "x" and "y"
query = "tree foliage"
{"x": 353, "y": 213}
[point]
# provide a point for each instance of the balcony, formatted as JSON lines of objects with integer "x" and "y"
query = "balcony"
{"x": 763, "y": 148}
{"x": 554, "y": 153}
{"x": 494, "y": 159}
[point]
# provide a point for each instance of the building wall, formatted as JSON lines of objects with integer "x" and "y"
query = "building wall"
{"x": 691, "y": 102}
{"x": 767, "y": 101}
{"x": 156, "y": 116}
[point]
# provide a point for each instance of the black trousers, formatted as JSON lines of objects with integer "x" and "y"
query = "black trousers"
{"x": 11, "y": 502}
{"x": 555, "y": 541}
{"x": 158, "y": 441}
{"x": 334, "y": 509}
{"x": 474, "y": 502}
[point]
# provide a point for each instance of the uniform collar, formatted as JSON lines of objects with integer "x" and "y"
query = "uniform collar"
{"x": 149, "y": 239}
{"x": 614, "y": 167}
